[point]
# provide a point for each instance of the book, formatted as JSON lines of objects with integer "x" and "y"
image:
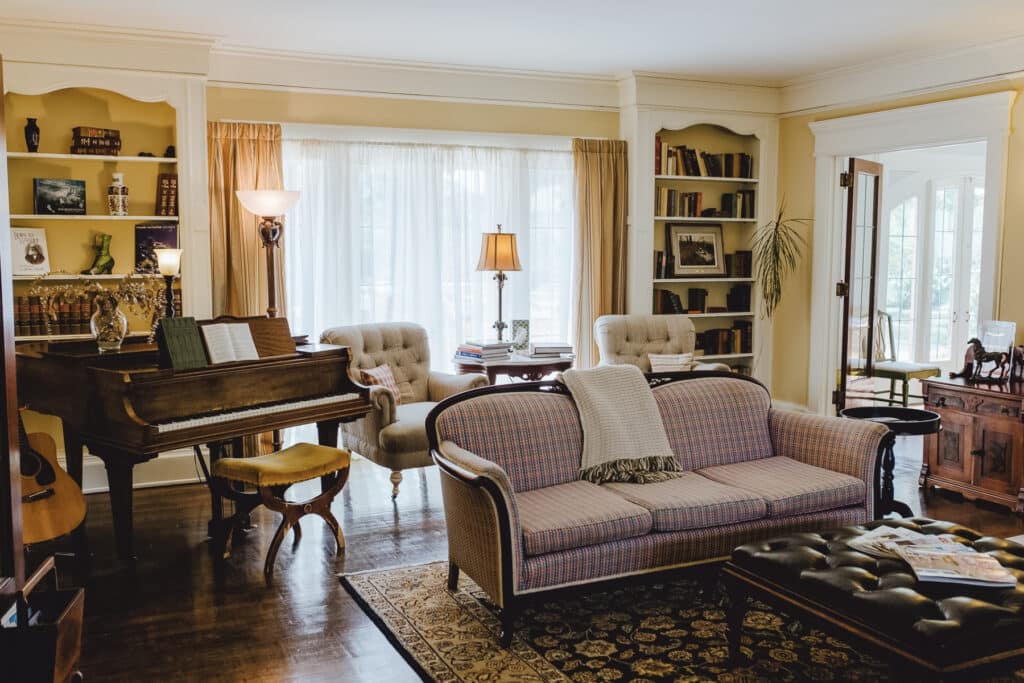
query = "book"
{"x": 227, "y": 342}
{"x": 885, "y": 541}
{"x": 166, "y": 194}
{"x": 29, "y": 254}
{"x": 179, "y": 344}
{"x": 58, "y": 196}
{"x": 968, "y": 568}
{"x": 150, "y": 236}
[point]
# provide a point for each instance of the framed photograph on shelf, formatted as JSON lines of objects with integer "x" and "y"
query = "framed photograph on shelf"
{"x": 29, "y": 255}
{"x": 695, "y": 249}
{"x": 150, "y": 236}
{"x": 58, "y": 196}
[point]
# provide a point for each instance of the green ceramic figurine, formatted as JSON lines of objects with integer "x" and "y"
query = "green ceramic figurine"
{"x": 103, "y": 264}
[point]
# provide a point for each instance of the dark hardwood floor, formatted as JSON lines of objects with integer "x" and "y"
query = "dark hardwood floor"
{"x": 175, "y": 619}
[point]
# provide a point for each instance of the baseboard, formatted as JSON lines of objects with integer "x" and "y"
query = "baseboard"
{"x": 169, "y": 469}
{"x": 787, "y": 405}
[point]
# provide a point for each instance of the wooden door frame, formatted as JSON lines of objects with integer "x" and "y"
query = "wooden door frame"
{"x": 985, "y": 117}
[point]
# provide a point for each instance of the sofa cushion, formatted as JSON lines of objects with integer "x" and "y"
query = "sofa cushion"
{"x": 409, "y": 431}
{"x": 715, "y": 420}
{"x": 790, "y": 487}
{"x": 692, "y": 502}
{"x": 535, "y": 437}
{"x": 577, "y": 514}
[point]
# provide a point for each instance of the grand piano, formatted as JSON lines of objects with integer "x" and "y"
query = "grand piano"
{"x": 126, "y": 409}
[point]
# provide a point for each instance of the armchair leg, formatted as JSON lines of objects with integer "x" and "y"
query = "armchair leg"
{"x": 396, "y": 479}
{"x": 508, "y": 624}
{"x": 453, "y": 577}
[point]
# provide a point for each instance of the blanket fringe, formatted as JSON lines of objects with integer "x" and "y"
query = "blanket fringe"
{"x": 633, "y": 470}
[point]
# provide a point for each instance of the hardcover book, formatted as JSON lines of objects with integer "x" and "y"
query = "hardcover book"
{"x": 29, "y": 255}
{"x": 180, "y": 345}
{"x": 58, "y": 196}
{"x": 150, "y": 236}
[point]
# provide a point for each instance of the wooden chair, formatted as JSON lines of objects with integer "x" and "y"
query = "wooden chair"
{"x": 272, "y": 475}
{"x": 887, "y": 367}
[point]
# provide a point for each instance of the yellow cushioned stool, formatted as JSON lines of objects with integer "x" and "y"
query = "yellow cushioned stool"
{"x": 272, "y": 475}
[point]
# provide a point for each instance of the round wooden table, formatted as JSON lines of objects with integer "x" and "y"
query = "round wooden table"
{"x": 521, "y": 367}
{"x": 901, "y": 422}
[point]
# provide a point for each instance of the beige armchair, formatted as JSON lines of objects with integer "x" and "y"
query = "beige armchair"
{"x": 627, "y": 339}
{"x": 395, "y": 436}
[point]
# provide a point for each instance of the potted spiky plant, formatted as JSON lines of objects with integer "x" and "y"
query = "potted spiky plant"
{"x": 778, "y": 246}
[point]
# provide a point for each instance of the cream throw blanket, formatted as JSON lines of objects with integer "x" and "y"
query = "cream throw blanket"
{"x": 623, "y": 436}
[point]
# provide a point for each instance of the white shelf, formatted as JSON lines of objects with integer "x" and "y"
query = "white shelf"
{"x": 705, "y": 178}
{"x": 87, "y": 217}
{"x": 72, "y": 277}
{"x": 68, "y": 337}
{"x": 726, "y": 314}
{"x": 724, "y": 356}
{"x": 92, "y": 157}
{"x": 698, "y": 219}
{"x": 687, "y": 280}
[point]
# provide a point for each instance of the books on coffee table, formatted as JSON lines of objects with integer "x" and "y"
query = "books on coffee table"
{"x": 968, "y": 568}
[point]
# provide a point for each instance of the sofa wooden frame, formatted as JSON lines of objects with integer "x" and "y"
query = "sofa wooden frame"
{"x": 511, "y": 603}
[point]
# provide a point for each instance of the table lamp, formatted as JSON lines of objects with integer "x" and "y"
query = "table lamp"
{"x": 498, "y": 253}
{"x": 169, "y": 264}
{"x": 269, "y": 206}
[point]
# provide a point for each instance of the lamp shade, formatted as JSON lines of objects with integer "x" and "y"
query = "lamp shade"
{"x": 168, "y": 261}
{"x": 498, "y": 251}
{"x": 267, "y": 202}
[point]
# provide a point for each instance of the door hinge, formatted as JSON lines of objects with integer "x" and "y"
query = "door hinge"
{"x": 842, "y": 289}
{"x": 845, "y": 179}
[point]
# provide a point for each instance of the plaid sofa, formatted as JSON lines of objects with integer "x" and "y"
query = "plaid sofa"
{"x": 520, "y": 520}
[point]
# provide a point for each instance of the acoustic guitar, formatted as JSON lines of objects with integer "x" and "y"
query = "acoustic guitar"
{"x": 52, "y": 504}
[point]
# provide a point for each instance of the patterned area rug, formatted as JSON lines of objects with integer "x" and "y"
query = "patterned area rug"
{"x": 646, "y": 632}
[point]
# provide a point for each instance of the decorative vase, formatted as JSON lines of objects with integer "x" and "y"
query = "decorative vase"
{"x": 109, "y": 324}
{"x": 117, "y": 196}
{"x": 32, "y": 135}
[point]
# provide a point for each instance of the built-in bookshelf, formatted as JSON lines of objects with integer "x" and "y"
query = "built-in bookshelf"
{"x": 706, "y": 199}
{"x": 147, "y": 137}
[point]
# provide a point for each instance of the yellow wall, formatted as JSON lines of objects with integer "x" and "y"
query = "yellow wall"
{"x": 297, "y": 107}
{"x": 796, "y": 185}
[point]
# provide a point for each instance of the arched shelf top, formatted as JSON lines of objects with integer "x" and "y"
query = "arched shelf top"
{"x": 712, "y": 127}
{"x": 41, "y": 79}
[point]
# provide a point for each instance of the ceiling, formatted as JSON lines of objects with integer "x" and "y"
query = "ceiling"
{"x": 758, "y": 41}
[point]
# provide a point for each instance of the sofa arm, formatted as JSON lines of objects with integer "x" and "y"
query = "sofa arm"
{"x": 441, "y": 385}
{"x": 833, "y": 443}
{"x": 484, "y": 532}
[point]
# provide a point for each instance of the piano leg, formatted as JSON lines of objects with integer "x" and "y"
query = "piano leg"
{"x": 216, "y": 500}
{"x": 73, "y": 454}
{"x": 327, "y": 435}
{"x": 119, "y": 478}
{"x": 73, "y": 461}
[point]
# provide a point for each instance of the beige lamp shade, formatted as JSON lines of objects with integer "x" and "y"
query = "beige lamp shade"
{"x": 498, "y": 251}
{"x": 168, "y": 261}
{"x": 267, "y": 202}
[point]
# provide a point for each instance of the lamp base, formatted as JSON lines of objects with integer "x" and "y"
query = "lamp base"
{"x": 169, "y": 296}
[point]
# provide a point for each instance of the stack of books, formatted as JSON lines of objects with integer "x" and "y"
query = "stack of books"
{"x": 89, "y": 140}
{"x": 484, "y": 351}
{"x": 549, "y": 349}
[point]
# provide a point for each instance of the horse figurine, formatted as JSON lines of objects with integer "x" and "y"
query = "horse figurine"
{"x": 980, "y": 356}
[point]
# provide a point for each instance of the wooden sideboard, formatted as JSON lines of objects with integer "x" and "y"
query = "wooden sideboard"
{"x": 980, "y": 449}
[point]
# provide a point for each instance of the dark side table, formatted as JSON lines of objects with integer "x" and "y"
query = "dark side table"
{"x": 522, "y": 367}
{"x": 901, "y": 422}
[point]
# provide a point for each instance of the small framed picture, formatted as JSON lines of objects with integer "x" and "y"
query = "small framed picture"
{"x": 59, "y": 196}
{"x": 696, "y": 249}
{"x": 520, "y": 335}
{"x": 29, "y": 255}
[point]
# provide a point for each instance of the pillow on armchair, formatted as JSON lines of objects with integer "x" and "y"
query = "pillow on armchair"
{"x": 382, "y": 376}
{"x": 671, "y": 362}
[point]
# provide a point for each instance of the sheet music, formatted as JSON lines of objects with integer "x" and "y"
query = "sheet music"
{"x": 227, "y": 342}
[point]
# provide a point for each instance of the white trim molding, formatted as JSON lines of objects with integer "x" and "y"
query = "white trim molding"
{"x": 985, "y": 117}
{"x": 421, "y": 136}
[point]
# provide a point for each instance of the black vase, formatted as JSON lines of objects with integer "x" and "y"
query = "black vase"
{"x": 32, "y": 135}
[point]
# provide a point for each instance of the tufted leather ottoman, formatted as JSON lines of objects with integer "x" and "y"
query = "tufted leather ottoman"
{"x": 941, "y": 629}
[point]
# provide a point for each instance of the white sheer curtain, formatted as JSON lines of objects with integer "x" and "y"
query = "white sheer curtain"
{"x": 391, "y": 232}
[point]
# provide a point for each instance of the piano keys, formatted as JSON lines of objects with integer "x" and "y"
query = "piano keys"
{"x": 127, "y": 410}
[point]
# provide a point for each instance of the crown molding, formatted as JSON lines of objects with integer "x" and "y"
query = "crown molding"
{"x": 106, "y": 47}
{"x": 662, "y": 91}
{"x": 267, "y": 69}
{"x": 904, "y": 75}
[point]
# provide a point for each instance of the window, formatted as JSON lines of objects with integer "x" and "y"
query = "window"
{"x": 390, "y": 231}
{"x": 901, "y": 288}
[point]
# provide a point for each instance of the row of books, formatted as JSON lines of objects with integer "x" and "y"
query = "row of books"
{"x": 738, "y": 204}
{"x": 484, "y": 350}
{"x": 738, "y": 300}
{"x": 683, "y": 160}
{"x": 69, "y": 316}
{"x": 739, "y": 264}
{"x": 738, "y": 339}
{"x": 681, "y": 204}
{"x": 89, "y": 140}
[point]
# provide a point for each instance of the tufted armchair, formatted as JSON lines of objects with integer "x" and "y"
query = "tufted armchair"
{"x": 395, "y": 436}
{"x": 627, "y": 339}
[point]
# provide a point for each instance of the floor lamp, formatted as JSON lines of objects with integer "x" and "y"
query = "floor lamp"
{"x": 498, "y": 253}
{"x": 269, "y": 206}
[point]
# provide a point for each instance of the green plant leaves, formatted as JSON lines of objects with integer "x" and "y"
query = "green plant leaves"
{"x": 777, "y": 245}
